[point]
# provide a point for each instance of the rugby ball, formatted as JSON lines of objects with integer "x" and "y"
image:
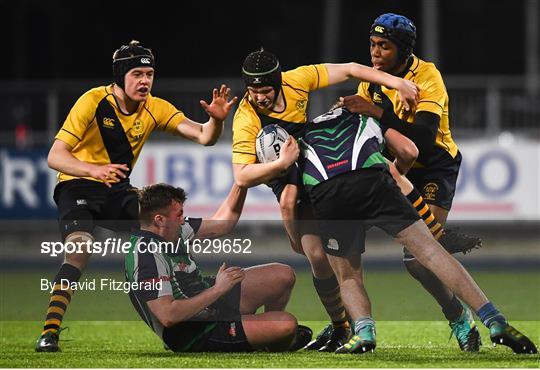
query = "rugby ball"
{"x": 269, "y": 141}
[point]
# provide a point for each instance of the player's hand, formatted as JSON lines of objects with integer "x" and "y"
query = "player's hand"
{"x": 109, "y": 173}
{"x": 289, "y": 152}
{"x": 228, "y": 277}
{"x": 357, "y": 104}
{"x": 408, "y": 94}
{"x": 221, "y": 105}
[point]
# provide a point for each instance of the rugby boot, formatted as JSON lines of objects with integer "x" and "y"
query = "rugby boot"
{"x": 48, "y": 342}
{"x": 455, "y": 242}
{"x": 338, "y": 338}
{"x": 303, "y": 337}
{"x": 362, "y": 342}
{"x": 321, "y": 339}
{"x": 466, "y": 331}
{"x": 507, "y": 335}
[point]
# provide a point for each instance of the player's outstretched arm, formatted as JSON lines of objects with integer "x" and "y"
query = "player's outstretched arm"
{"x": 408, "y": 91}
{"x": 423, "y": 132}
{"x": 170, "y": 311}
{"x": 226, "y": 217}
{"x": 61, "y": 159}
{"x": 208, "y": 133}
{"x": 249, "y": 175}
{"x": 403, "y": 150}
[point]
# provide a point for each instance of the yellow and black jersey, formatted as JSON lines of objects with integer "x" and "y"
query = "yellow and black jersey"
{"x": 249, "y": 119}
{"x": 99, "y": 133}
{"x": 433, "y": 98}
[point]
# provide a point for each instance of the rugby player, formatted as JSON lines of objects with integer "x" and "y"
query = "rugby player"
{"x": 392, "y": 40}
{"x": 280, "y": 97}
{"x": 351, "y": 194}
{"x": 94, "y": 153}
{"x": 191, "y": 312}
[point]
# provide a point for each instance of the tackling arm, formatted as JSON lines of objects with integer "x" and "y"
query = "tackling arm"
{"x": 249, "y": 175}
{"x": 408, "y": 91}
{"x": 423, "y": 132}
{"x": 226, "y": 217}
{"x": 403, "y": 150}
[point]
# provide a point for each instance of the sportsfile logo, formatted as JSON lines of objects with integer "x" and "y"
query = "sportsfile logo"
{"x": 145, "y": 60}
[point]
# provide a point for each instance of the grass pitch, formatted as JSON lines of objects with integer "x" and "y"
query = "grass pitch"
{"x": 398, "y": 302}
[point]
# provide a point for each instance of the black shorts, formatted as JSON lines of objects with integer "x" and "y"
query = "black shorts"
{"x": 228, "y": 305}
{"x": 228, "y": 335}
{"x": 292, "y": 176}
{"x": 347, "y": 205}
{"x": 83, "y": 204}
{"x": 437, "y": 183}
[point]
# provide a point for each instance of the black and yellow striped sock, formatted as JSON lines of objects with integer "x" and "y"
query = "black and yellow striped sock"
{"x": 330, "y": 296}
{"x": 423, "y": 210}
{"x": 60, "y": 298}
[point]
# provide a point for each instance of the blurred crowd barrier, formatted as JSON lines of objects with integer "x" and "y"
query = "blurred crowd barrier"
{"x": 498, "y": 181}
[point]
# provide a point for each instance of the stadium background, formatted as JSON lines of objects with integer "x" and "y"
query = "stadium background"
{"x": 488, "y": 53}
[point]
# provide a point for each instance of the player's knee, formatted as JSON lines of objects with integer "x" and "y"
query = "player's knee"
{"x": 283, "y": 278}
{"x": 287, "y": 276}
{"x": 316, "y": 254}
{"x": 81, "y": 255}
{"x": 286, "y": 325}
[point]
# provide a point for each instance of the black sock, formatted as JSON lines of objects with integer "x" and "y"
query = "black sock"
{"x": 329, "y": 294}
{"x": 60, "y": 297}
{"x": 453, "y": 310}
{"x": 423, "y": 210}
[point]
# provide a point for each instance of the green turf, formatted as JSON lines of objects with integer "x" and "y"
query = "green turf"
{"x": 394, "y": 296}
{"x": 132, "y": 344}
{"x": 398, "y": 304}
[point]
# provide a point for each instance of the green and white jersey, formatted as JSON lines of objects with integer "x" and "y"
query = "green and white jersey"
{"x": 152, "y": 260}
{"x": 338, "y": 142}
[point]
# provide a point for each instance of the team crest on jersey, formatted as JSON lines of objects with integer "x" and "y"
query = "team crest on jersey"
{"x": 301, "y": 104}
{"x": 377, "y": 98}
{"x": 430, "y": 191}
{"x": 108, "y": 122}
{"x": 138, "y": 129}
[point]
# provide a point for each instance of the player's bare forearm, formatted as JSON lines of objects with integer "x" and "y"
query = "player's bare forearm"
{"x": 170, "y": 311}
{"x": 211, "y": 131}
{"x": 226, "y": 217}
{"x": 249, "y": 175}
{"x": 342, "y": 72}
{"x": 201, "y": 133}
{"x": 402, "y": 148}
{"x": 62, "y": 160}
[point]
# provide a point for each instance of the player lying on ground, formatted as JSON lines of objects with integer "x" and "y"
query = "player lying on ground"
{"x": 435, "y": 173}
{"x": 357, "y": 192}
{"x": 193, "y": 313}
{"x": 94, "y": 153}
{"x": 280, "y": 97}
